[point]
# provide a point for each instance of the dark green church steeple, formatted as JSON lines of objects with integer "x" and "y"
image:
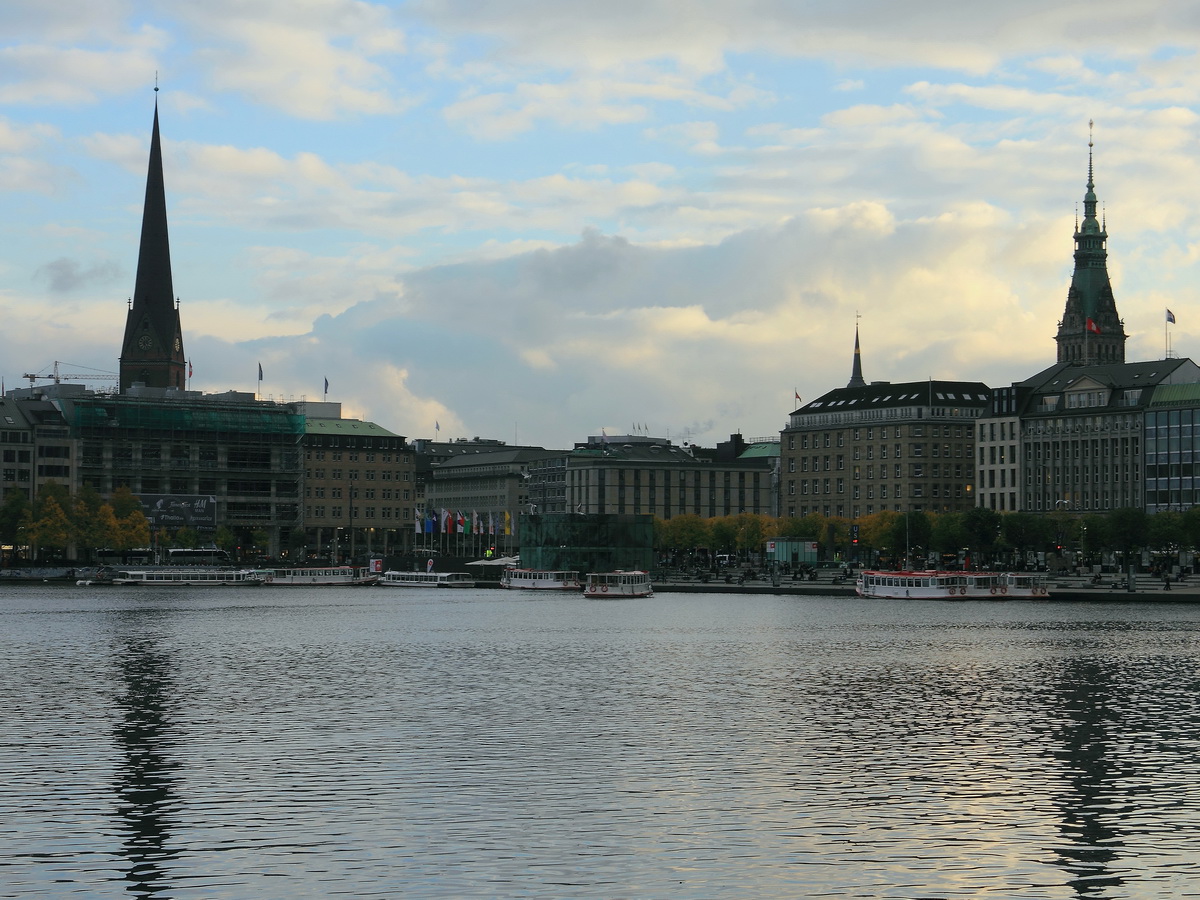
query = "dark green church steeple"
{"x": 152, "y": 351}
{"x": 1091, "y": 331}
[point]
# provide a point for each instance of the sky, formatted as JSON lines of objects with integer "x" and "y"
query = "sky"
{"x": 538, "y": 220}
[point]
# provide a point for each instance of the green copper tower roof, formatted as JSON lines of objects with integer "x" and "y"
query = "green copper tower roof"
{"x": 1091, "y": 331}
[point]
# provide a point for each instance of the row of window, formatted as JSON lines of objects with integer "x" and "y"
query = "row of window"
{"x": 335, "y": 493}
{"x": 352, "y": 474}
{"x": 358, "y": 512}
{"x": 336, "y": 456}
{"x": 838, "y": 486}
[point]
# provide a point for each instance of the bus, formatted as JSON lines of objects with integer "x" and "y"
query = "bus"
{"x": 200, "y": 556}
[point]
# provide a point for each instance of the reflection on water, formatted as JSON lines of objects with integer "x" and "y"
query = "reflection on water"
{"x": 144, "y": 785}
{"x": 241, "y": 744}
{"x": 1090, "y": 807}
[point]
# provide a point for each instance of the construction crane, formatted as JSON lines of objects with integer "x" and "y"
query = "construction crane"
{"x": 57, "y": 376}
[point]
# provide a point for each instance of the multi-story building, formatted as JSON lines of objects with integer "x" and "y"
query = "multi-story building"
{"x": 866, "y": 448}
{"x": 1078, "y": 435}
{"x": 1172, "y": 448}
{"x": 359, "y": 485}
{"x": 1072, "y": 437}
{"x": 638, "y": 475}
{"x": 208, "y": 460}
{"x": 233, "y": 456}
{"x": 474, "y": 502}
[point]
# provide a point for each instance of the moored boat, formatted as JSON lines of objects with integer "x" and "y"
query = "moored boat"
{"x": 315, "y": 576}
{"x": 393, "y": 578}
{"x": 621, "y": 583}
{"x": 200, "y": 576}
{"x": 539, "y": 580}
{"x": 935, "y": 585}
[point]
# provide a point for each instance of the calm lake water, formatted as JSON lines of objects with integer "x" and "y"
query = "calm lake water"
{"x": 261, "y": 743}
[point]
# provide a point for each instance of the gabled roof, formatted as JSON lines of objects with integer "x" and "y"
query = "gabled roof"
{"x": 883, "y": 395}
{"x": 345, "y": 426}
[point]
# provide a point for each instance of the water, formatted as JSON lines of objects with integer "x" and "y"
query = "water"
{"x": 249, "y": 743}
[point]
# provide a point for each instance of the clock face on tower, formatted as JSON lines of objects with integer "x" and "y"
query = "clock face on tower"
{"x": 145, "y": 342}
{"x": 178, "y": 344}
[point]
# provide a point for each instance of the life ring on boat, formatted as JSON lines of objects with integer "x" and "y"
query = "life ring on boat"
{"x": 962, "y": 590}
{"x": 604, "y": 588}
{"x": 993, "y": 590}
{"x": 1003, "y": 589}
{"x": 592, "y": 589}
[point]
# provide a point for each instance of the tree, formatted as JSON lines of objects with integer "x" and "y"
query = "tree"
{"x": 910, "y": 534}
{"x": 260, "y": 540}
{"x": 806, "y": 528}
{"x": 1129, "y": 528}
{"x": 981, "y": 528}
{"x": 86, "y": 521}
{"x": 133, "y": 530}
{"x": 187, "y": 537}
{"x": 724, "y": 534}
{"x": 124, "y": 502}
{"x": 875, "y": 531}
{"x": 50, "y": 529}
{"x": 1165, "y": 531}
{"x": 13, "y": 513}
{"x": 685, "y": 532}
{"x": 948, "y": 534}
{"x": 750, "y": 531}
{"x": 225, "y": 539}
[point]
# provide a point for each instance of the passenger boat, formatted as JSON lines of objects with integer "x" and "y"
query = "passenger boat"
{"x": 618, "y": 584}
{"x": 188, "y": 575}
{"x": 934, "y": 585}
{"x": 313, "y": 576}
{"x": 539, "y": 580}
{"x": 427, "y": 579}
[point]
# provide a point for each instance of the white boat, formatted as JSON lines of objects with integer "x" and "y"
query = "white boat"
{"x": 189, "y": 575}
{"x": 934, "y": 585}
{"x": 313, "y": 576}
{"x": 633, "y": 583}
{"x": 393, "y": 578}
{"x": 539, "y": 580}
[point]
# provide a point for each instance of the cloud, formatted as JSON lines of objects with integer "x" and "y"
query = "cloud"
{"x": 313, "y": 60}
{"x": 66, "y": 275}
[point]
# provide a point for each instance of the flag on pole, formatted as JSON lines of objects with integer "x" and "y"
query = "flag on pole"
{"x": 797, "y": 393}
{"x": 190, "y": 362}
{"x": 419, "y": 520}
{"x": 260, "y": 371}
{"x": 437, "y": 426}
{"x": 1170, "y": 317}
{"x": 1092, "y": 326}
{"x": 327, "y": 385}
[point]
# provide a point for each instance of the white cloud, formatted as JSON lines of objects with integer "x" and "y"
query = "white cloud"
{"x": 320, "y": 59}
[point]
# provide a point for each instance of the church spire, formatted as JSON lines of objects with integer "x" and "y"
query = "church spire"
{"x": 152, "y": 350}
{"x": 1091, "y": 331}
{"x": 856, "y": 375}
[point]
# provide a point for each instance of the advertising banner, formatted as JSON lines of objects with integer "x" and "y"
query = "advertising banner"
{"x": 175, "y": 511}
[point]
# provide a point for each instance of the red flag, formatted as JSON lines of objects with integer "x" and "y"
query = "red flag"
{"x": 189, "y": 368}
{"x": 797, "y": 393}
{"x": 1093, "y": 327}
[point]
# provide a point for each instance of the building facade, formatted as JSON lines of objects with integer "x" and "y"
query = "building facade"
{"x": 860, "y": 450}
{"x": 359, "y": 486}
{"x": 1093, "y": 432}
{"x": 1076, "y": 438}
{"x": 639, "y": 475}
